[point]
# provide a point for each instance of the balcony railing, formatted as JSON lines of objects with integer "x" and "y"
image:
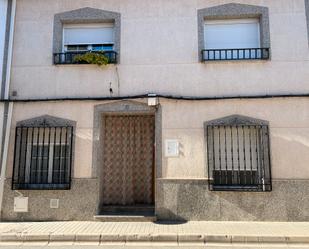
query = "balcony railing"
{"x": 235, "y": 54}
{"x": 70, "y": 57}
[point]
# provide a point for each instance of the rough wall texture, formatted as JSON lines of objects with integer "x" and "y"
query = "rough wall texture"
{"x": 177, "y": 199}
{"x": 191, "y": 200}
{"x": 79, "y": 203}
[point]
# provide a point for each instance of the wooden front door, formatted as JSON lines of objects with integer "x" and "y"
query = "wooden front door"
{"x": 128, "y": 157}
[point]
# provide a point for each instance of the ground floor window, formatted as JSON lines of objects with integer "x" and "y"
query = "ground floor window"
{"x": 42, "y": 157}
{"x": 238, "y": 154}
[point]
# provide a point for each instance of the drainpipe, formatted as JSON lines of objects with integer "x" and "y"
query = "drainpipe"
{"x": 10, "y": 49}
{"x": 8, "y": 107}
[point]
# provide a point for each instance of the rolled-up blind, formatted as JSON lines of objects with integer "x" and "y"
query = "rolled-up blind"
{"x": 88, "y": 35}
{"x": 227, "y": 34}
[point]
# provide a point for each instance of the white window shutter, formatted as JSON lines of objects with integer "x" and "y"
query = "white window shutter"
{"x": 88, "y": 35}
{"x": 228, "y": 34}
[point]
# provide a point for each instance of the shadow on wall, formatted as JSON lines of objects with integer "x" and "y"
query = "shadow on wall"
{"x": 170, "y": 218}
{"x": 291, "y": 153}
{"x": 183, "y": 200}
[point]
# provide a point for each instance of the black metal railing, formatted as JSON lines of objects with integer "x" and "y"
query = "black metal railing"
{"x": 238, "y": 158}
{"x": 70, "y": 57}
{"x": 235, "y": 54}
{"x": 42, "y": 157}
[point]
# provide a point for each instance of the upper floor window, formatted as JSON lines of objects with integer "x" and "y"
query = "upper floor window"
{"x": 88, "y": 37}
{"x": 232, "y": 39}
{"x": 43, "y": 154}
{"x": 86, "y": 32}
{"x": 233, "y": 32}
{"x": 238, "y": 154}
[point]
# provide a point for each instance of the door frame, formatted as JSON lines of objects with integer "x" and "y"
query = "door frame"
{"x": 124, "y": 107}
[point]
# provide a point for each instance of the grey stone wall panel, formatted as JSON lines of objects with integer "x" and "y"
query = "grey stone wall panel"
{"x": 191, "y": 200}
{"x": 79, "y": 203}
{"x": 176, "y": 199}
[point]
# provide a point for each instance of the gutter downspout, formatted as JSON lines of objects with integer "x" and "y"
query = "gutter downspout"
{"x": 8, "y": 107}
{"x": 10, "y": 50}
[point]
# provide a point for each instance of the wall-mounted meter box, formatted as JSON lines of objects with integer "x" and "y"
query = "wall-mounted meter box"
{"x": 54, "y": 203}
{"x": 21, "y": 204}
{"x": 171, "y": 148}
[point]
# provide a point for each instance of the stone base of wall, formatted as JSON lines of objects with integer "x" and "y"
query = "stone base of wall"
{"x": 79, "y": 203}
{"x": 182, "y": 199}
{"x": 176, "y": 199}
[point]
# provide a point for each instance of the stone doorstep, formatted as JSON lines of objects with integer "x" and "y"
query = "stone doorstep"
{"x": 155, "y": 238}
{"x": 125, "y": 218}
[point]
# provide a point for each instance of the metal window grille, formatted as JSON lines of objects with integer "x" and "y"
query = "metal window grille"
{"x": 235, "y": 54}
{"x": 69, "y": 57}
{"x": 238, "y": 157}
{"x": 42, "y": 157}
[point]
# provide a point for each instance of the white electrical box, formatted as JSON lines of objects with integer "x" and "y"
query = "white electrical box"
{"x": 171, "y": 148}
{"x": 152, "y": 100}
{"x": 21, "y": 204}
{"x": 54, "y": 203}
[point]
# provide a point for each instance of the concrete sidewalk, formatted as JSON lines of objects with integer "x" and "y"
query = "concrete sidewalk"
{"x": 126, "y": 232}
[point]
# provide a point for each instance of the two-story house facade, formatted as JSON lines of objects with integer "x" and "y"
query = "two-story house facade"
{"x": 197, "y": 110}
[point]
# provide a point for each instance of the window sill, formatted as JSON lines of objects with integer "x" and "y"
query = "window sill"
{"x": 241, "y": 188}
{"x": 237, "y": 54}
{"x": 28, "y": 186}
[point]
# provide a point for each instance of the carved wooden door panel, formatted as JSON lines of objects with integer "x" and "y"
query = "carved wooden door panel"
{"x": 128, "y": 159}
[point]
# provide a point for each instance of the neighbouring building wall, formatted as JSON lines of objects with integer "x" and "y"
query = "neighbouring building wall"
{"x": 3, "y": 14}
{"x": 182, "y": 188}
{"x": 159, "y": 52}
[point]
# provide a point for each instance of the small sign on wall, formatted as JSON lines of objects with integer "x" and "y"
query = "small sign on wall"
{"x": 171, "y": 148}
{"x": 21, "y": 204}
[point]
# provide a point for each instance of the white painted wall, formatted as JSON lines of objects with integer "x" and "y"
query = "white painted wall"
{"x": 3, "y": 13}
{"x": 159, "y": 52}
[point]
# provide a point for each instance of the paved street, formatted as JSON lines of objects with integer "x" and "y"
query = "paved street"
{"x": 221, "y": 246}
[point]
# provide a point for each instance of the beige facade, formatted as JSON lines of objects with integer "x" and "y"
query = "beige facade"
{"x": 289, "y": 131}
{"x": 159, "y": 54}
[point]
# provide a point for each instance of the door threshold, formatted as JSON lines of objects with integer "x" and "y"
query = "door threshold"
{"x": 124, "y": 218}
{"x": 127, "y": 213}
{"x": 128, "y": 210}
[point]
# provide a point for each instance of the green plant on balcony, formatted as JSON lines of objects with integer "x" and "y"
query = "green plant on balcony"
{"x": 92, "y": 58}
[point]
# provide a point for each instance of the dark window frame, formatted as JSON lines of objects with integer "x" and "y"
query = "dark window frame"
{"x": 246, "y": 175}
{"x": 44, "y": 134}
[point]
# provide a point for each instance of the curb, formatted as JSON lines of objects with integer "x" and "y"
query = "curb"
{"x": 155, "y": 238}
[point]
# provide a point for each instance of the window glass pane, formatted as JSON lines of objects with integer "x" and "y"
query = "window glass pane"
{"x": 39, "y": 163}
{"x": 77, "y": 47}
{"x": 43, "y": 157}
{"x": 102, "y": 47}
{"x": 237, "y": 157}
